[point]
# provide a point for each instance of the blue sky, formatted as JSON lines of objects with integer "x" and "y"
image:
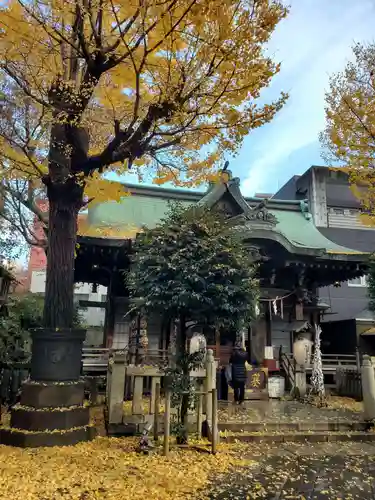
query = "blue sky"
{"x": 312, "y": 43}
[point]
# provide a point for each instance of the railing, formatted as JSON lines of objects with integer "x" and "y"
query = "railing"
{"x": 149, "y": 357}
{"x": 140, "y": 417}
{"x": 330, "y": 362}
{"x": 349, "y": 382}
{"x": 95, "y": 359}
{"x": 287, "y": 364}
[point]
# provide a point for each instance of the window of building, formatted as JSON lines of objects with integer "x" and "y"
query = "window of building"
{"x": 362, "y": 281}
{"x": 104, "y": 298}
{"x": 338, "y": 211}
{"x": 81, "y": 296}
{"x": 354, "y": 211}
{"x": 333, "y": 174}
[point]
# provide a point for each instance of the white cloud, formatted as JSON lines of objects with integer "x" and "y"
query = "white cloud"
{"x": 312, "y": 43}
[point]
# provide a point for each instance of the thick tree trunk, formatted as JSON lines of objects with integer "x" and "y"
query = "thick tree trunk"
{"x": 181, "y": 337}
{"x": 65, "y": 194}
{"x": 62, "y": 235}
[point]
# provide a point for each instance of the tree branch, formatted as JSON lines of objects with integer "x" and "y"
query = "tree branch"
{"x": 354, "y": 112}
{"x": 22, "y": 85}
{"x": 28, "y": 202}
{"x": 22, "y": 231}
{"x": 171, "y": 30}
{"x": 127, "y": 144}
{"x": 112, "y": 62}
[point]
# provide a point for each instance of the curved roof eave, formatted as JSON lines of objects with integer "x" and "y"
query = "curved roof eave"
{"x": 291, "y": 247}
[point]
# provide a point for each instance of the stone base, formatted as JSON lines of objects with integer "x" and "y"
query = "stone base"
{"x": 124, "y": 430}
{"x": 42, "y": 420}
{"x": 50, "y": 414}
{"x": 48, "y": 395}
{"x": 21, "y": 439}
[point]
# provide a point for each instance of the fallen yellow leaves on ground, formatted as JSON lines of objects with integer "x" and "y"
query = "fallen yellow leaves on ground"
{"x": 109, "y": 468}
{"x": 343, "y": 403}
{"x": 127, "y": 406}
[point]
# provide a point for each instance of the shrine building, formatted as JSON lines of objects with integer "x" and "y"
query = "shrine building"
{"x": 296, "y": 260}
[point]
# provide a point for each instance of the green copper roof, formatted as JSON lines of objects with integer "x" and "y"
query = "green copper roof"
{"x": 304, "y": 234}
{"x": 132, "y": 210}
{"x": 147, "y": 206}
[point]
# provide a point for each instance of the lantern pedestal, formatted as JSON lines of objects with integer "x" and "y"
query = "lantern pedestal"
{"x": 51, "y": 411}
{"x": 300, "y": 381}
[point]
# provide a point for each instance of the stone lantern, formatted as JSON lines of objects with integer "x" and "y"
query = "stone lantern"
{"x": 302, "y": 350}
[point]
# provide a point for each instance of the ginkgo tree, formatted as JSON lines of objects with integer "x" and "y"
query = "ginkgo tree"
{"x": 96, "y": 86}
{"x": 349, "y": 136}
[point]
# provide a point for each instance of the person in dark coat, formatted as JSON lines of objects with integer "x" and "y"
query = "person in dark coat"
{"x": 238, "y": 361}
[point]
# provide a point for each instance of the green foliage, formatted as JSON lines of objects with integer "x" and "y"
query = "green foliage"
{"x": 12, "y": 245}
{"x": 194, "y": 265}
{"x": 25, "y": 312}
{"x": 178, "y": 378}
{"x": 183, "y": 388}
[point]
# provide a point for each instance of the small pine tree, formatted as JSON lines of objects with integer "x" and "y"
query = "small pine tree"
{"x": 193, "y": 266}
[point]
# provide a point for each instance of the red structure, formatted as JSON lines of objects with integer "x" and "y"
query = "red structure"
{"x": 38, "y": 258}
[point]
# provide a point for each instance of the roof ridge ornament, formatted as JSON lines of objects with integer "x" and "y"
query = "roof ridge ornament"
{"x": 261, "y": 214}
{"x": 304, "y": 206}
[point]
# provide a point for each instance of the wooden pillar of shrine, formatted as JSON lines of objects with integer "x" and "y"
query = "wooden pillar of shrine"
{"x": 268, "y": 317}
{"x": 299, "y": 311}
{"x": 110, "y": 316}
{"x": 217, "y": 341}
{"x": 249, "y": 334}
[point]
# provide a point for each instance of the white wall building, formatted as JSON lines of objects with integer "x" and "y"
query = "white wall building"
{"x": 93, "y": 317}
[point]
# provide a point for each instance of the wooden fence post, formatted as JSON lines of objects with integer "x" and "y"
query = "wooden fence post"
{"x": 210, "y": 382}
{"x": 154, "y": 382}
{"x": 137, "y": 405}
{"x": 199, "y": 414}
{"x": 108, "y": 382}
{"x": 214, "y": 439}
{"x": 167, "y": 422}
{"x": 156, "y": 412}
{"x": 358, "y": 359}
{"x": 368, "y": 388}
{"x": 116, "y": 390}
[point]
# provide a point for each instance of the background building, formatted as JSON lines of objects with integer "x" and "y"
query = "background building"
{"x": 337, "y": 214}
{"x": 93, "y": 317}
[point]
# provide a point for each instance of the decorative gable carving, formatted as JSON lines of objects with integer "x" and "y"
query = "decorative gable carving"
{"x": 228, "y": 206}
{"x": 226, "y": 196}
{"x": 260, "y": 214}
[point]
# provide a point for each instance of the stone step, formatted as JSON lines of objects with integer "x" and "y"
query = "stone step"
{"x": 27, "y": 439}
{"x": 46, "y": 419}
{"x": 298, "y": 437}
{"x": 323, "y": 426}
